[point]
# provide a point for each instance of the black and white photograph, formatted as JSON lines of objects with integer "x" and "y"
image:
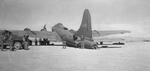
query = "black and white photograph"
{"x": 74, "y": 35}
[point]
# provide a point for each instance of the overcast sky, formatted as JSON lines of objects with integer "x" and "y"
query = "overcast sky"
{"x": 133, "y": 15}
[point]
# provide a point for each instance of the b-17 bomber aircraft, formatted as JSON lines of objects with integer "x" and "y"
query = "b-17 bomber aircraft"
{"x": 80, "y": 39}
{"x": 83, "y": 38}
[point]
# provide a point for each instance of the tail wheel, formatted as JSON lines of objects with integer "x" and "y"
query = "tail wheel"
{"x": 17, "y": 45}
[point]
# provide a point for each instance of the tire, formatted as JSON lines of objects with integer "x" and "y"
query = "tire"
{"x": 17, "y": 45}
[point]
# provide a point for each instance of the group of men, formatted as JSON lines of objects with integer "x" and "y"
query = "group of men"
{"x": 43, "y": 41}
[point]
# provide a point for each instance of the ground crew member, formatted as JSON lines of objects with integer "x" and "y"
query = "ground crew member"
{"x": 2, "y": 45}
{"x": 64, "y": 44}
{"x": 82, "y": 43}
{"x": 36, "y": 41}
{"x": 26, "y": 42}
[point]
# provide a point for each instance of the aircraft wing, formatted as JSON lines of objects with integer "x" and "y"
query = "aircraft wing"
{"x": 52, "y": 36}
{"x": 96, "y": 33}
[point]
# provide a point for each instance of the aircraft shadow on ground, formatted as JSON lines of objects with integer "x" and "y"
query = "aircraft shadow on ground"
{"x": 82, "y": 48}
{"x": 96, "y": 48}
{"x": 109, "y": 47}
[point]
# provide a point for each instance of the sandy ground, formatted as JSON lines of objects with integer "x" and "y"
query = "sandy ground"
{"x": 131, "y": 57}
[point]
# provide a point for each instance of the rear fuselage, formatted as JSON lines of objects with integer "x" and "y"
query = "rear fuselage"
{"x": 67, "y": 36}
{"x": 84, "y": 33}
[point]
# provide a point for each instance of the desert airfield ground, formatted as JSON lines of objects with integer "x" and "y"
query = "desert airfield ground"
{"x": 133, "y": 56}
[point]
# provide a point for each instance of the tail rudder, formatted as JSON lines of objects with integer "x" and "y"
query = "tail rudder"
{"x": 85, "y": 29}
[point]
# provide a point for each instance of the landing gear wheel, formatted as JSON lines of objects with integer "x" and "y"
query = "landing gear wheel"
{"x": 17, "y": 45}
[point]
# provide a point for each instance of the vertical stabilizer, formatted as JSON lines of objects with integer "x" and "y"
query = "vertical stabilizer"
{"x": 85, "y": 29}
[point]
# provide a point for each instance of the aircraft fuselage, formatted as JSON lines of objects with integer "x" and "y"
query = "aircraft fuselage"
{"x": 67, "y": 36}
{"x": 80, "y": 39}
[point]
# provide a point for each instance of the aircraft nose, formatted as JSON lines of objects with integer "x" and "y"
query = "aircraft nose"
{"x": 57, "y": 26}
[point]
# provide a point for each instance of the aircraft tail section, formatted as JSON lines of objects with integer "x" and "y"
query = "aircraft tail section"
{"x": 85, "y": 29}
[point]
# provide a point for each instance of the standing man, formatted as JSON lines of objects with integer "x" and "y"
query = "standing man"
{"x": 82, "y": 43}
{"x": 36, "y": 41}
{"x": 64, "y": 44}
{"x": 26, "y": 42}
